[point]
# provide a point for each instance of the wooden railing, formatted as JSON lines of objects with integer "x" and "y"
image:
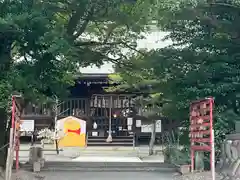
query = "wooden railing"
{"x": 74, "y": 107}
{"x": 38, "y": 109}
{"x": 115, "y": 101}
{"x": 81, "y": 106}
{"x": 68, "y": 107}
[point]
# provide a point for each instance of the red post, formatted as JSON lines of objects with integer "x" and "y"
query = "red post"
{"x": 13, "y": 111}
{"x": 17, "y": 159}
{"x": 15, "y": 137}
{"x": 212, "y": 153}
{"x": 192, "y": 160}
{"x": 211, "y": 127}
{"x": 201, "y": 129}
{"x": 17, "y": 152}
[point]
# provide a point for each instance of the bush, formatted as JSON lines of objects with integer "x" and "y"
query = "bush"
{"x": 173, "y": 152}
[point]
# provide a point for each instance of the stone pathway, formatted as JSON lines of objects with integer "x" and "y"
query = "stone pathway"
{"x": 106, "y": 154}
{"x": 106, "y": 159}
{"x": 197, "y": 176}
{"x": 63, "y": 175}
{"x": 94, "y": 154}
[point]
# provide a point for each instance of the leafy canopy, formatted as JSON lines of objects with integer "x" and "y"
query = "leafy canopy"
{"x": 44, "y": 43}
{"x": 203, "y": 60}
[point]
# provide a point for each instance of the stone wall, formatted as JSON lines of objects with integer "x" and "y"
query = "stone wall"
{"x": 230, "y": 159}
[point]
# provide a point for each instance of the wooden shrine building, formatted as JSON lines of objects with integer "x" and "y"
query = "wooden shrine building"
{"x": 102, "y": 111}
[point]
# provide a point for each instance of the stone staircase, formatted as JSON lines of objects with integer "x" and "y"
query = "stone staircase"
{"x": 108, "y": 153}
{"x": 116, "y": 141}
{"x": 105, "y": 158}
{"x": 104, "y": 166}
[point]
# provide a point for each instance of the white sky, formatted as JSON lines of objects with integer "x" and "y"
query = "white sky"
{"x": 152, "y": 41}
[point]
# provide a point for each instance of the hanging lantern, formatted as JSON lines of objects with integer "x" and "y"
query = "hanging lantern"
{"x": 95, "y": 125}
{"x": 116, "y": 114}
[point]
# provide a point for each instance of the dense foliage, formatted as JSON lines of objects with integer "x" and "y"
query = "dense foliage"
{"x": 203, "y": 60}
{"x": 44, "y": 43}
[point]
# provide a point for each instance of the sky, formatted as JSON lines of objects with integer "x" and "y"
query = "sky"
{"x": 152, "y": 41}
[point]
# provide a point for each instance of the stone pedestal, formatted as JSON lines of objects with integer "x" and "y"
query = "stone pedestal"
{"x": 184, "y": 169}
{"x": 35, "y": 154}
{"x": 36, "y": 167}
{"x": 230, "y": 160}
{"x": 36, "y": 158}
{"x": 237, "y": 127}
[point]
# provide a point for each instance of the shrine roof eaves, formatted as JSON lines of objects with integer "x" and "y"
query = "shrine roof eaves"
{"x": 93, "y": 75}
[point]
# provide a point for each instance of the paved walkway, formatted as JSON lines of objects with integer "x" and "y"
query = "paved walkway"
{"x": 97, "y": 154}
{"x": 105, "y": 148}
{"x": 106, "y": 159}
{"x": 63, "y": 175}
{"x": 108, "y": 176}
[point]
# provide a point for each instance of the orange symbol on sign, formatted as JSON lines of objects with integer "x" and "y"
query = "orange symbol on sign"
{"x": 77, "y": 131}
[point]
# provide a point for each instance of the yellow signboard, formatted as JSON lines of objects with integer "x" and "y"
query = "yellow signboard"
{"x": 74, "y": 132}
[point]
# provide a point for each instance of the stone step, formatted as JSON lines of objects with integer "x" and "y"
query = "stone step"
{"x": 114, "y": 138}
{"x": 105, "y": 166}
{"x": 123, "y": 169}
{"x": 116, "y": 141}
{"x": 107, "y": 152}
{"x": 110, "y": 144}
{"x": 107, "y": 155}
{"x": 116, "y": 153}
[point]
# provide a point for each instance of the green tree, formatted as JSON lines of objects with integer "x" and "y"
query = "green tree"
{"x": 203, "y": 60}
{"x": 148, "y": 103}
{"x": 44, "y": 43}
{"x": 208, "y": 60}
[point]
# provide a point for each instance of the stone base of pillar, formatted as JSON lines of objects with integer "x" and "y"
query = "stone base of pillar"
{"x": 184, "y": 169}
{"x": 109, "y": 139}
{"x": 36, "y": 167}
{"x": 36, "y": 158}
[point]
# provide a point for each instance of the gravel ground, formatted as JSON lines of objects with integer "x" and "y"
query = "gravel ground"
{"x": 198, "y": 176}
{"x": 60, "y": 175}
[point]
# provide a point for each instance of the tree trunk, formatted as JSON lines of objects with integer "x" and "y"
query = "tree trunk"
{"x": 6, "y": 40}
{"x": 4, "y": 137}
{"x": 5, "y": 53}
{"x": 153, "y": 137}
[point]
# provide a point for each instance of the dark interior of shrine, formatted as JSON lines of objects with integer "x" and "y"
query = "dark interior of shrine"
{"x": 85, "y": 90}
{"x": 88, "y": 85}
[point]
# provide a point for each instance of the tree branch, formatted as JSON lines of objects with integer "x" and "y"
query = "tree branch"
{"x": 225, "y": 4}
{"x": 111, "y": 28}
{"x": 75, "y": 18}
{"x": 98, "y": 27}
{"x": 84, "y": 25}
{"x": 132, "y": 48}
{"x": 95, "y": 43}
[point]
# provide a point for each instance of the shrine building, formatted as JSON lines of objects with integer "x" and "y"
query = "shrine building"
{"x": 103, "y": 112}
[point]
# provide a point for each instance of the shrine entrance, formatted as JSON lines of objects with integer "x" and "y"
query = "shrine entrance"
{"x": 107, "y": 115}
